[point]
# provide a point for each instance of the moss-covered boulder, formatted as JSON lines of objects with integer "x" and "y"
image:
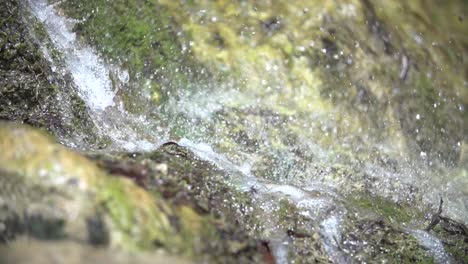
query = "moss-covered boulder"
{"x": 78, "y": 194}
{"x": 50, "y": 192}
{"x": 367, "y": 227}
{"x": 23, "y": 250}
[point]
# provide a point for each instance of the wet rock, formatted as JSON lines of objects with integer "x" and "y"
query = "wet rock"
{"x": 76, "y": 192}
{"x": 143, "y": 40}
{"x": 348, "y": 94}
{"x": 454, "y": 237}
{"x": 42, "y": 182}
{"x": 379, "y": 241}
{"x": 23, "y": 250}
{"x": 30, "y": 91}
{"x": 50, "y": 192}
{"x": 453, "y": 234}
{"x": 327, "y": 92}
{"x": 365, "y": 46}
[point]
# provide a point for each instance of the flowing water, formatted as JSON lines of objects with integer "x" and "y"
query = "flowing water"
{"x": 193, "y": 115}
{"x": 92, "y": 79}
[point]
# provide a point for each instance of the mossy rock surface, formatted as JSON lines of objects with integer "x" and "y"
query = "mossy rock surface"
{"x": 135, "y": 219}
{"x": 377, "y": 71}
{"x": 25, "y": 90}
{"x": 22, "y": 250}
{"x": 141, "y": 37}
{"x": 454, "y": 236}
{"x": 171, "y": 212}
{"x": 50, "y": 192}
{"x": 303, "y": 90}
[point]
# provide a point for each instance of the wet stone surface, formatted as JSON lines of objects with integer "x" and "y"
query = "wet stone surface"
{"x": 30, "y": 91}
{"x": 305, "y": 133}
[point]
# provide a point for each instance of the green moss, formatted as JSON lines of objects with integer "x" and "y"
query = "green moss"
{"x": 396, "y": 213}
{"x": 285, "y": 210}
{"x": 380, "y": 241}
{"x": 127, "y": 213}
{"x": 40, "y": 31}
{"x": 134, "y": 29}
{"x": 140, "y": 36}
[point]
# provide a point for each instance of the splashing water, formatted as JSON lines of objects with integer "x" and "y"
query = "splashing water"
{"x": 433, "y": 244}
{"x": 91, "y": 76}
{"x": 89, "y": 71}
{"x": 303, "y": 179}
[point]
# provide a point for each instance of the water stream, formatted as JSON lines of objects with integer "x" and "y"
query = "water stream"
{"x": 316, "y": 197}
{"x": 92, "y": 79}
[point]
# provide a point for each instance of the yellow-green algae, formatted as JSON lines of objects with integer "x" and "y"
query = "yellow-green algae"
{"x": 378, "y": 72}
{"x": 395, "y": 213}
{"x": 379, "y": 64}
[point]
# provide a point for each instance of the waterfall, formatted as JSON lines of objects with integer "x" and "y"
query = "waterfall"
{"x": 317, "y": 199}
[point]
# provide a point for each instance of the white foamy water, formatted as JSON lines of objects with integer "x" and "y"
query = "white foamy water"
{"x": 92, "y": 79}
{"x": 268, "y": 195}
{"x": 433, "y": 245}
{"x": 332, "y": 235}
{"x": 90, "y": 73}
{"x": 206, "y": 152}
